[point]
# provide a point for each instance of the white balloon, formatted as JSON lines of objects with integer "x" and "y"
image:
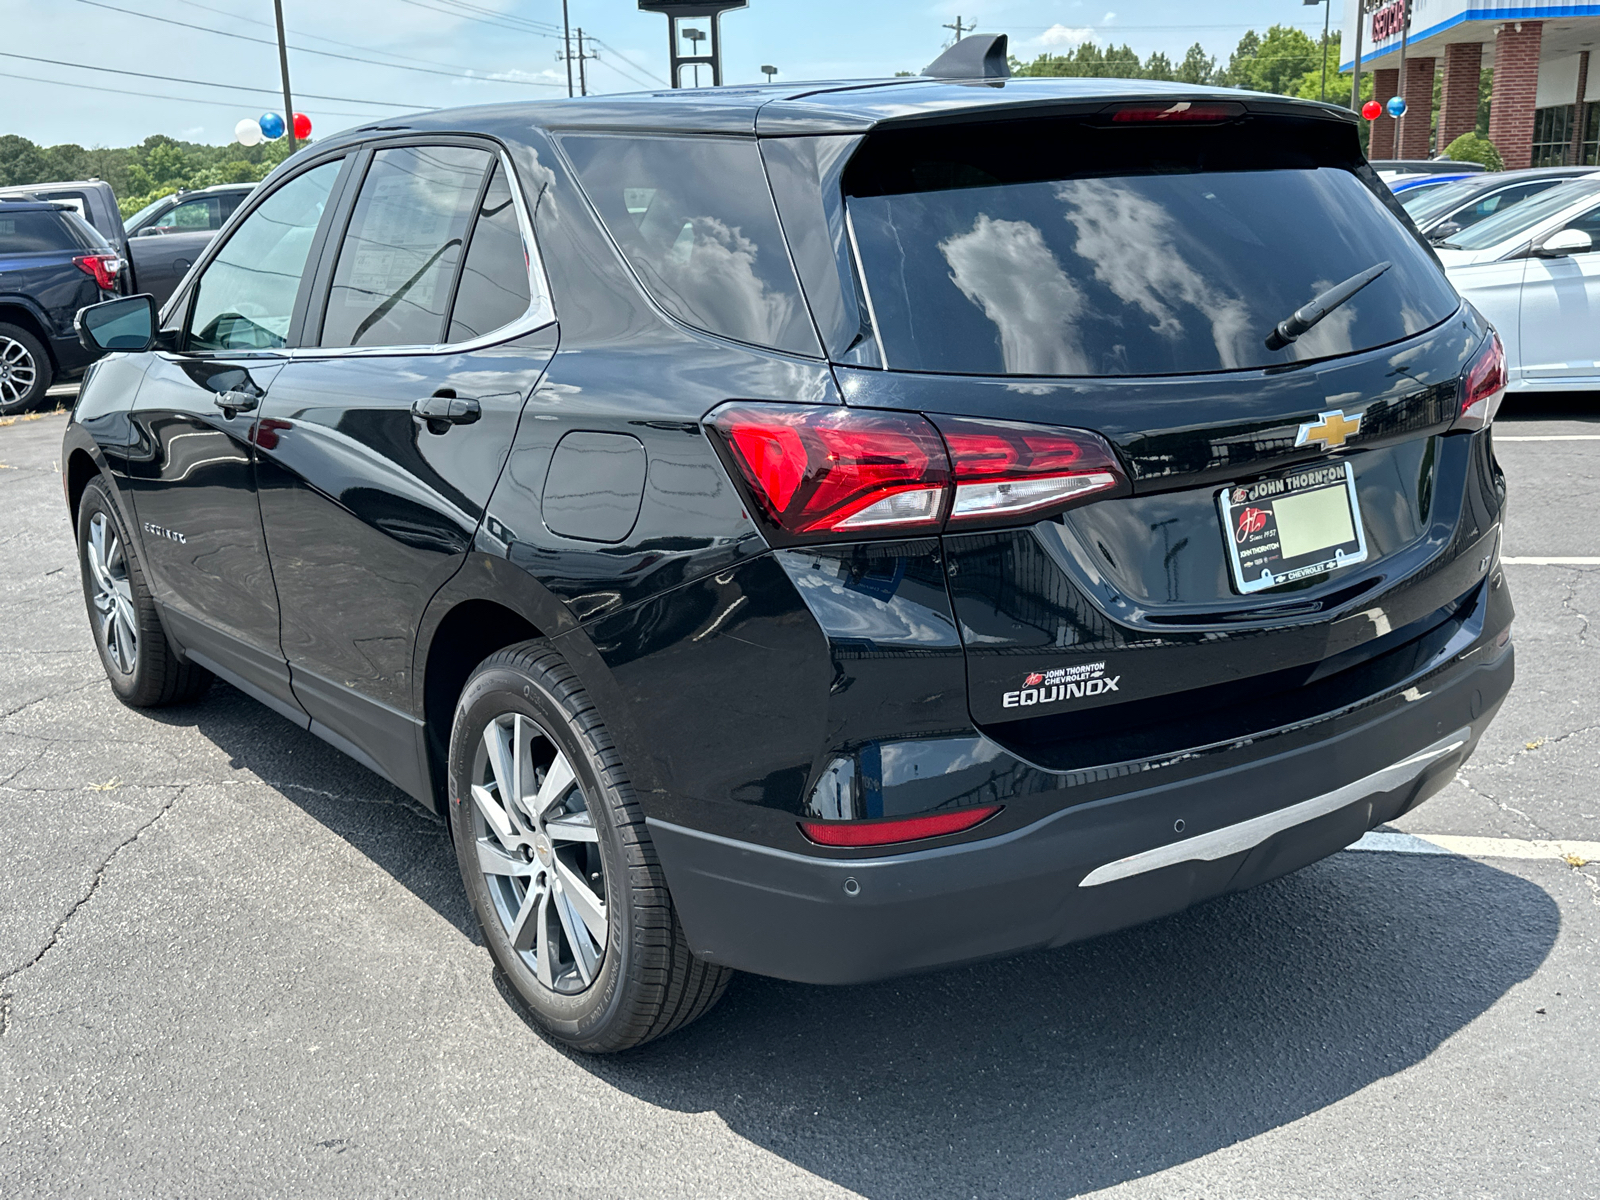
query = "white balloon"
{"x": 248, "y": 131}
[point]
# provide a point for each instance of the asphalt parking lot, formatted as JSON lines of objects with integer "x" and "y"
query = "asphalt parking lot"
{"x": 234, "y": 963}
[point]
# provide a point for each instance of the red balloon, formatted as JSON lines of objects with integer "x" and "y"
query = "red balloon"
{"x": 1371, "y": 110}
{"x": 302, "y": 125}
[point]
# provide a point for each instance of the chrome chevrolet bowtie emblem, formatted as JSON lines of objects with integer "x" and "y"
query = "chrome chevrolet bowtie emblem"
{"x": 1330, "y": 429}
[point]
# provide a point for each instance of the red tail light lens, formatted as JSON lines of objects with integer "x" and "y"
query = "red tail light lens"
{"x": 1174, "y": 112}
{"x": 103, "y": 267}
{"x": 1004, "y": 469}
{"x": 833, "y": 470}
{"x": 1484, "y": 386}
{"x": 819, "y": 473}
{"x": 900, "y": 829}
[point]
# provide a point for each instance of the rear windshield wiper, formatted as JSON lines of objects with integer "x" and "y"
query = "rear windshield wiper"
{"x": 1304, "y": 318}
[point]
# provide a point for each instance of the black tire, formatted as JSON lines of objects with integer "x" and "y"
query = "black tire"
{"x": 148, "y": 673}
{"x": 645, "y": 982}
{"x": 26, "y": 371}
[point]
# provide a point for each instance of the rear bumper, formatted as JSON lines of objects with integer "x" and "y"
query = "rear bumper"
{"x": 1082, "y": 871}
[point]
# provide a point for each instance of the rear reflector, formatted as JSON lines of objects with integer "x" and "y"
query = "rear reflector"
{"x": 1484, "y": 386}
{"x": 817, "y": 473}
{"x": 901, "y": 829}
{"x": 1172, "y": 113}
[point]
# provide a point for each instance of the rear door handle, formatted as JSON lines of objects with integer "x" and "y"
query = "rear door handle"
{"x": 440, "y": 412}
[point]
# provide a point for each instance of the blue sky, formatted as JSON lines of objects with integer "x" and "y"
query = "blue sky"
{"x": 434, "y": 53}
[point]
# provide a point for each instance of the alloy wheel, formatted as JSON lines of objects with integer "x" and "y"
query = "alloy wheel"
{"x": 113, "y": 593}
{"x": 539, "y": 852}
{"x": 18, "y": 371}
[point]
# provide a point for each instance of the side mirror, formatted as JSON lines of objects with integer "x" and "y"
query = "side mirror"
{"x": 126, "y": 323}
{"x": 147, "y": 231}
{"x": 1565, "y": 242}
{"x": 1439, "y": 232}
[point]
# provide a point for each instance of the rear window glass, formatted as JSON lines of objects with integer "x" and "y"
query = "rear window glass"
{"x": 695, "y": 220}
{"x": 1062, "y": 248}
{"x": 31, "y": 232}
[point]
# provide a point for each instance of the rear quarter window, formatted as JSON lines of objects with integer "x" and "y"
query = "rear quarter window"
{"x": 35, "y": 232}
{"x": 695, "y": 220}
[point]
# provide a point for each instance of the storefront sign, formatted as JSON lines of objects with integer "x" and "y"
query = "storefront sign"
{"x": 1389, "y": 20}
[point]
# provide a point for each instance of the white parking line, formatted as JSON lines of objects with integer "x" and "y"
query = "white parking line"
{"x": 1547, "y": 437}
{"x": 1553, "y": 562}
{"x": 1575, "y": 853}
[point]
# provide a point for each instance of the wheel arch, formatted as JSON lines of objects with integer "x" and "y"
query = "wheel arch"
{"x": 80, "y": 469}
{"x": 14, "y": 311}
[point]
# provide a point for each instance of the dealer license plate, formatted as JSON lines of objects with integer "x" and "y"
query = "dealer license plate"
{"x": 1302, "y": 523}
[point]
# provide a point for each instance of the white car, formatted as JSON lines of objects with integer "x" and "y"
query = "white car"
{"x": 1534, "y": 272}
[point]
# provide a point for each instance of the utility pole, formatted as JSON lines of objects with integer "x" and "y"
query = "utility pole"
{"x": 1355, "y": 75}
{"x": 959, "y": 28}
{"x": 283, "y": 63}
{"x": 1405, "y": 32}
{"x": 583, "y": 78}
{"x": 566, "y": 45}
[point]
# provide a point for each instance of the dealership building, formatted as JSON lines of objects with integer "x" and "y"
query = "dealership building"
{"x": 1545, "y": 105}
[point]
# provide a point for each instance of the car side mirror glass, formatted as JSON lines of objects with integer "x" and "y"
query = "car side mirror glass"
{"x": 147, "y": 231}
{"x": 127, "y": 323}
{"x": 1439, "y": 232}
{"x": 1564, "y": 242}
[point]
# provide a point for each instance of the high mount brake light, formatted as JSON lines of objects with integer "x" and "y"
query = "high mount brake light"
{"x": 820, "y": 473}
{"x": 900, "y": 829}
{"x": 1005, "y": 469}
{"x": 1483, "y": 386}
{"x": 103, "y": 267}
{"x": 1175, "y": 112}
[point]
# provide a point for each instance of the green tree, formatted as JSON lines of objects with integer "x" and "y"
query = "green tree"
{"x": 1240, "y": 71}
{"x": 1088, "y": 59}
{"x": 1159, "y": 66}
{"x": 1473, "y": 147}
{"x": 1197, "y": 67}
{"x": 20, "y": 161}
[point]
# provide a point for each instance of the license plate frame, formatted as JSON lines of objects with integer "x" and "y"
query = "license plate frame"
{"x": 1259, "y": 533}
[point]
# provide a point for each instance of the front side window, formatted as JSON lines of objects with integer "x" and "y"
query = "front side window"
{"x": 397, "y": 262}
{"x": 192, "y": 216}
{"x": 1061, "y": 248}
{"x": 1519, "y": 218}
{"x": 494, "y": 279}
{"x": 245, "y": 298}
{"x": 696, "y": 222}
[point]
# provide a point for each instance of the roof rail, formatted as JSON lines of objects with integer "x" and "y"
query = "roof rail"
{"x": 977, "y": 56}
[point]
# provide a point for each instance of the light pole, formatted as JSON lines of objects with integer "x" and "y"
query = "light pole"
{"x": 695, "y": 36}
{"x": 769, "y": 72}
{"x": 283, "y": 63}
{"x": 1327, "y": 9}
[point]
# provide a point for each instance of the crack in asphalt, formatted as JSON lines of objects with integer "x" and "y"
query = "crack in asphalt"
{"x": 1502, "y": 805}
{"x": 7, "y": 715}
{"x": 94, "y": 886}
{"x": 1566, "y": 604}
{"x": 1537, "y": 745}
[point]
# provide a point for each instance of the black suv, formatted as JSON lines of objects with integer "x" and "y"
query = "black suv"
{"x": 51, "y": 265}
{"x": 826, "y": 531}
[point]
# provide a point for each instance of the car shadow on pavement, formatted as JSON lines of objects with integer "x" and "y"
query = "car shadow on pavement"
{"x": 1071, "y": 1070}
{"x": 1048, "y": 1074}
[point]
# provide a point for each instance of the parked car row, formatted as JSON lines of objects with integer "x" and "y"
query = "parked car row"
{"x": 79, "y": 224}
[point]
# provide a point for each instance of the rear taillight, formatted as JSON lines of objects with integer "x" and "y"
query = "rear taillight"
{"x": 818, "y": 473}
{"x": 1483, "y": 386}
{"x": 899, "y": 829}
{"x": 1003, "y": 469}
{"x": 103, "y": 267}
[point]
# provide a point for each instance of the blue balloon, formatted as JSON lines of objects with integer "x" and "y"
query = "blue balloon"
{"x": 271, "y": 126}
{"x": 1397, "y": 108}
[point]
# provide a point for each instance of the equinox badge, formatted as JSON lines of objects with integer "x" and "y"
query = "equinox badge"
{"x": 1330, "y": 428}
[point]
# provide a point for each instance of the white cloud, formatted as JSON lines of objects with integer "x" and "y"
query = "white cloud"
{"x": 1062, "y": 35}
{"x": 1108, "y": 18}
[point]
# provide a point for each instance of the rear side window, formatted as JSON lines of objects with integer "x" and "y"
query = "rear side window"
{"x": 1060, "y": 247}
{"x": 696, "y": 222}
{"x": 192, "y": 216}
{"x": 399, "y": 256}
{"x": 34, "y": 232}
{"x": 494, "y": 279}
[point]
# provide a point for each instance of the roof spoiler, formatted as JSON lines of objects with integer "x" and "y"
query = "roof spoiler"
{"x": 979, "y": 56}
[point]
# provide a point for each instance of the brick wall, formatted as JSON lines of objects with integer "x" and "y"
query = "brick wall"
{"x": 1575, "y": 150}
{"x": 1386, "y": 83}
{"x": 1516, "y": 85}
{"x": 1416, "y": 127}
{"x": 1458, "y": 91}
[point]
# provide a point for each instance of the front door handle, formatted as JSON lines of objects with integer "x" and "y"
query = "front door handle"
{"x": 243, "y": 398}
{"x": 444, "y": 409}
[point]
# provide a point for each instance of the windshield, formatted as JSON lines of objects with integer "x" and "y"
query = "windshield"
{"x": 1519, "y": 219}
{"x": 1152, "y": 267}
{"x": 1426, "y": 203}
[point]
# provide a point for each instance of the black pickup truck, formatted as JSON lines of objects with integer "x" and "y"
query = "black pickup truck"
{"x": 52, "y": 263}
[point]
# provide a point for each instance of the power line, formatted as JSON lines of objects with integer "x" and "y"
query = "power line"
{"x": 646, "y": 71}
{"x": 244, "y": 37}
{"x": 89, "y": 87}
{"x": 478, "y": 8}
{"x": 493, "y": 24}
{"x": 236, "y": 87}
{"x": 317, "y": 37}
